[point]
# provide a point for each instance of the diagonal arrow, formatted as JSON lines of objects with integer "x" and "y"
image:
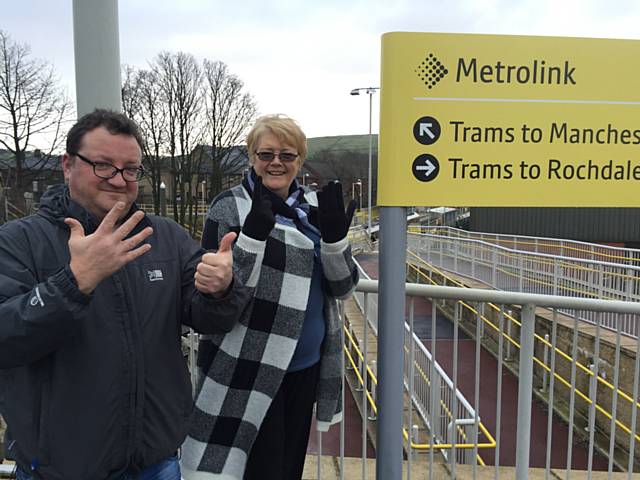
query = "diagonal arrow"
{"x": 425, "y": 130}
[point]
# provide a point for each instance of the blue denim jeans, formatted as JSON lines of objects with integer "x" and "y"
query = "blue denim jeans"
{"x": 168, "y": 469}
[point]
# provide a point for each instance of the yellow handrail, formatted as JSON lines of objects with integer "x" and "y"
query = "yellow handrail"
{"x": 491, "y": 443}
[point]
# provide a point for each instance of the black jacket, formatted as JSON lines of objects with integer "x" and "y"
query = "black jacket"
{"x": 93, "y": 385}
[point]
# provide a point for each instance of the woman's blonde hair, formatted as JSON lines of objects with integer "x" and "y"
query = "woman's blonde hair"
{"x": 284, "y": 128}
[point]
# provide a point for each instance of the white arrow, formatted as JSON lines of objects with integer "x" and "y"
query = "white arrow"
{"x": 428, "y": 168}
{"x": 424, "y": 130}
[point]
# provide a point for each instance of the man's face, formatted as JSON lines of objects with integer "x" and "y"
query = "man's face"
{"x": 96, "y": 194}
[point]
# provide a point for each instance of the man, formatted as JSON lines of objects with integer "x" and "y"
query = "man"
{"x": 93, "y": 384}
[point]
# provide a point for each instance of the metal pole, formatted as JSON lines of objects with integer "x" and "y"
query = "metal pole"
{"x": 193, "y": 341}
{"x": 411, "y": 372}
{"x": 163, "y": 199}
{"x": 393, "y": 241}
{"x": 204, "y": 204}
{"x": 365, "y": 415}
{"x": 370, "y": 92}
{"x": 319, "y": 455}
{"x": 97, "y": 55}
{"x": 525, "y": 390}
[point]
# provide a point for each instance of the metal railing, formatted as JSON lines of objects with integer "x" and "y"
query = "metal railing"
{"x": 455, "y": 418}
{"x": 551, "y": 246}
{"x": 199, "y": 209}
{"x": 485, "y": 300}
{"x": 522, "y": 271}
{"x": 585, "y": 374}
{"x": 10, "y": 211}
{"x": 359, "y": 239}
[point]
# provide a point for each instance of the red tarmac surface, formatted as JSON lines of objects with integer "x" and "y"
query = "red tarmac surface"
{"x": 353, "y": 434}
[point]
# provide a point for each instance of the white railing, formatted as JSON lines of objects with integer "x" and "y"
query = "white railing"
{"x": 359, "y": 239}
{"x": 443, "y": 407}
{"x": 551, "y": 246}
{"x": 621, "y": 413}
{"x": 521, "y": 271}
{"x": 11, "y": 212}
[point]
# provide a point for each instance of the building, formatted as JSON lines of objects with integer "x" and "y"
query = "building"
{"x": 614, "y": 226}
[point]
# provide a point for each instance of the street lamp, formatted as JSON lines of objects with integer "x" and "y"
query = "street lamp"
{"x": 163, "y": 199}
{"x": 369, "y": 91}
{"x": 204, "y": 202}
{"x": 353, "y": 192}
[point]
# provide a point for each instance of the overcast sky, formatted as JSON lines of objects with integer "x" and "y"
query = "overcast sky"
{"x": 303, "y": 57}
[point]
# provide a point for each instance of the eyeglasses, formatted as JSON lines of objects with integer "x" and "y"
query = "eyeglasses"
{"x": 285, "y": 157}
{"x": 108, "y": 171}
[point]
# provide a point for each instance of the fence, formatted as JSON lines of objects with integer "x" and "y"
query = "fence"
{"x": 551, "y": 246}
{"x": 439, "y": 405}
{"x": 522, "y": 271}
{"x": 486, "y": 300}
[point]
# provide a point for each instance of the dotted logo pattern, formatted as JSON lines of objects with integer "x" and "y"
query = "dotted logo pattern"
{"x": 431, "y": 71}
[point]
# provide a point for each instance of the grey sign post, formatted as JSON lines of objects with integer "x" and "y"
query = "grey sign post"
{"x": 391, "y": 301}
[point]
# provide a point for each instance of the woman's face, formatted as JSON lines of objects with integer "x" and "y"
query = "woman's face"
{"x": 277, "y": 175}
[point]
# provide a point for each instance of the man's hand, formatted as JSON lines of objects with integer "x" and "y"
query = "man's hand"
{"x": 99, "y": 255}
{"x": 213, "y": 274}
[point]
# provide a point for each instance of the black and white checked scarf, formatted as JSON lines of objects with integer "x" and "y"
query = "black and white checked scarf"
{"x": 240, "y": 372}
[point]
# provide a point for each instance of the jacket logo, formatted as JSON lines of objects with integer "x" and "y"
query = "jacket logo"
{"x": 155, "y": 275}
{"x": 36, "y": 299}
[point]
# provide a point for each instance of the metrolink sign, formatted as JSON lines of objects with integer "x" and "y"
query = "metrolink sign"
{"x": 487, "y": 120}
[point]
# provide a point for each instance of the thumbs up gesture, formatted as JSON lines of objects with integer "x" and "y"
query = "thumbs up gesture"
{"x": 213, "y": 274}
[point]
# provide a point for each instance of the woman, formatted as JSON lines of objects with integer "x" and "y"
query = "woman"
{"x": 258, "y": 383}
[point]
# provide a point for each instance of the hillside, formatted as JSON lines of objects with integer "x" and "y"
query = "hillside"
{"x": 341, "y": 143}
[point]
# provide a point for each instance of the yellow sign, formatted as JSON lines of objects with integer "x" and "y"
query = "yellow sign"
{"x": 488, "y": 120}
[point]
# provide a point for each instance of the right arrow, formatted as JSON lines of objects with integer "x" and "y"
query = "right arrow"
{"x": 428, "y": 168}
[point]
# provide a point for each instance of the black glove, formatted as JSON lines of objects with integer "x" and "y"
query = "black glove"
{"x": 334, "y": 221}
{"x": 260, "y": 219}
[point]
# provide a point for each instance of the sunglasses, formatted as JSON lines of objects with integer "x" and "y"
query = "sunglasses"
{"x": 285, "y": 157}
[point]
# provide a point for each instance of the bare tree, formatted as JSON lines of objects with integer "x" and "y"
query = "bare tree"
{"x": 191, "y": 118}
{"x": 229, "y": 112}
{"x": 142, "y": 100}
{"x": 130, "y": 90}
{"x": 179, "y": 77}
{"x": 32, "y": 106}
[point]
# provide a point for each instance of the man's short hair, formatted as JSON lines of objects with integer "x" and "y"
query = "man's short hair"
{"x": 116, "y": 123}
